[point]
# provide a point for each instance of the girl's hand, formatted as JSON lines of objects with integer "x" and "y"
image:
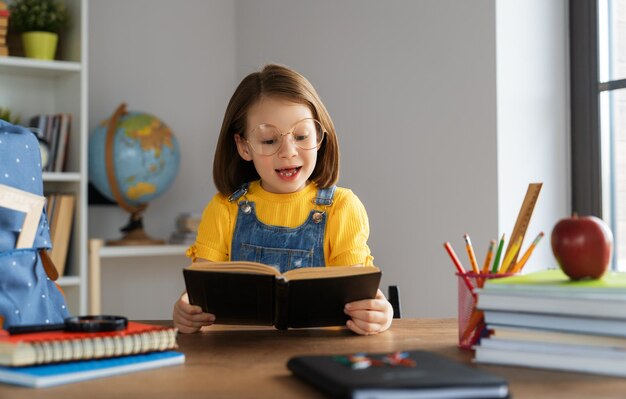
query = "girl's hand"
{"x": 369, "y": 316}
{"x": 189, "y": 318}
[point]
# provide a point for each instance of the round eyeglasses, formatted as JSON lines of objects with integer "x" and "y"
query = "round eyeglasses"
{"x": 266, "y": 139}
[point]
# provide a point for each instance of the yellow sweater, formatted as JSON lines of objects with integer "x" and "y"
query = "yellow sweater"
{"x": 347, "y": 226}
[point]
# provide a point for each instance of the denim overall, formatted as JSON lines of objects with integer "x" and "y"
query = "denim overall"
{"x": 284, "y": 248}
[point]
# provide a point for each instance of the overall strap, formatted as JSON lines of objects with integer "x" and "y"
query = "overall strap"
{"x": 325, "y": 196}
{"x": 240, "y": 192}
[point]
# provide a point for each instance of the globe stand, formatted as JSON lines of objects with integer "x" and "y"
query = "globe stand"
{"x": 133, "y": 231}
{"x": 134, "y": 234}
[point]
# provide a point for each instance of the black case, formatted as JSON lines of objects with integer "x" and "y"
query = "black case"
{"x": 432, "y": 376}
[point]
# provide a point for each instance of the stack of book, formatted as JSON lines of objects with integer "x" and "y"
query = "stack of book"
{"x": 44, "y": 359}
{"x": 546, "y": 320}
{"x": 4, "y": 24}
{"x": 54, "y": 130}
{"x": 60, "y": 210}
{"x": 186, "y": 229}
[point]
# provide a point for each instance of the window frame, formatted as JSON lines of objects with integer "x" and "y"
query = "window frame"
{"x": 586, "y": 131}
{"x": 585, "y": 108}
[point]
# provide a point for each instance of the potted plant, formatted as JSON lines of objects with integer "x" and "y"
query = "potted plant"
{"x": 39, "y": 21}
{"x": 7, "y": 115}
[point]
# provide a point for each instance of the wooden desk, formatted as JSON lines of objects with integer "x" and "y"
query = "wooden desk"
{"x": 245, "y": 362}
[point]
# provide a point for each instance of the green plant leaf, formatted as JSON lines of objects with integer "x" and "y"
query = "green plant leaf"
{"x": 37, "y": 15}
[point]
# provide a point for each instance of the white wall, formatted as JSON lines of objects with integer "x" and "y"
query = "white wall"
{"x": 411, "y": 88}
{"x": 418, "y": 91}
{"x": 176, "y": 61}
{"x": 533, "y": 117}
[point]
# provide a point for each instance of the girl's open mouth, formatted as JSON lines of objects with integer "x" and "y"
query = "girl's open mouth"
{"x": 288, "y": 172}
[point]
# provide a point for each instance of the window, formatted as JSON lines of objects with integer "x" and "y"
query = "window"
{"x": 598, "y": 90}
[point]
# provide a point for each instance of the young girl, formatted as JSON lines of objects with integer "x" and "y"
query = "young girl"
{"x": 275, "y": 167}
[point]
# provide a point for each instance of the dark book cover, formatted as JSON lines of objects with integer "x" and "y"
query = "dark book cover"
{"x": 414, "y": 374}
{"x": 320, "y": 302}
{"x": 234, "y": 298}
{"x": 250, "y": 298}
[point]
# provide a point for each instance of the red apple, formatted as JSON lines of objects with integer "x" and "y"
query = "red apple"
{"x": 582, "y": 246}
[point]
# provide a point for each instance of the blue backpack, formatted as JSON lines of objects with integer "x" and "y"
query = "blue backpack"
{"x": 28, "y": 294}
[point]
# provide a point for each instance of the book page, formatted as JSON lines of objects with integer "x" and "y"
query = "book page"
{"x": 234, "y": 267}
{"x": 295, "y": 274}
{"x": 328, "y": 272}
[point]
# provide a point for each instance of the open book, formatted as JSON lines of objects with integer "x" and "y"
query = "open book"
{"x": 257, "y": 294}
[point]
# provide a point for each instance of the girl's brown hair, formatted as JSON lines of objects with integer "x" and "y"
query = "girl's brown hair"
{"x": 230, "y": 171}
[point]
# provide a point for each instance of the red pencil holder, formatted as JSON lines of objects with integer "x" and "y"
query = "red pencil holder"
{"x": 471, "y": 321}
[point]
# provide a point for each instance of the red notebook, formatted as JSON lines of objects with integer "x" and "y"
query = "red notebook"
{"x": 60, "y": 346}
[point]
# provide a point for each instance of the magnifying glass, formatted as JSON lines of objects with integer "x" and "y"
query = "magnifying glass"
{"x": 95, "y": 323}
{"x": 88, "y": 324}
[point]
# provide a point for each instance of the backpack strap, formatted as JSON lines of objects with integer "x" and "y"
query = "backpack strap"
{"x": 48, "y": 265}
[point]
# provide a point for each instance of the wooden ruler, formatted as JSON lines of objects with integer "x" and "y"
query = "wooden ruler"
{"x": 522, "y": 222}
{"x": 28, "y": 203}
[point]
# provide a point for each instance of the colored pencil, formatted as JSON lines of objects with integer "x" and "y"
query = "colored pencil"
{"x": 488, "y": 257}
{"x": 459, "y": 267}
{"x": 519, "y": 265}
{"x": 471, "y": 254}
{"x": 509, "y": 256}
{"x": 496, "y": 261}
{"x": 476, "y": 317}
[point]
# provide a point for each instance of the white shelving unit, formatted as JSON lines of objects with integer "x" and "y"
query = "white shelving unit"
{"x": 98, "y": 251}
{"x": 30, "y": 87}
{"x": 142, "y": 251}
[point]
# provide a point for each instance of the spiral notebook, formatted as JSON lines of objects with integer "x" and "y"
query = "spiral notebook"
{"x": 61, "y": 346}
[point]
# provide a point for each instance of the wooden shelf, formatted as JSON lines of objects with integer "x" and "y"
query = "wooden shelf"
{"x": 31, "y": 67}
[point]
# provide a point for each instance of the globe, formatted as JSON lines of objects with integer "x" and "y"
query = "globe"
{"x": 143, "y": 161}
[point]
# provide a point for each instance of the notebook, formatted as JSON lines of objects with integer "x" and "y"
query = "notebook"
{"x": 48, "y": 375}
{"x": 58, "y": 346}
{"x": 415, "y": 374}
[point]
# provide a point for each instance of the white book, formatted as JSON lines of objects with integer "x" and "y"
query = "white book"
{"x": 591, "y": 325}
{"x": 553, "y": 304}
{"x": 564, "y": 338}
{"x": 595, "y": 362}
{"x": 581, "y": 350}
